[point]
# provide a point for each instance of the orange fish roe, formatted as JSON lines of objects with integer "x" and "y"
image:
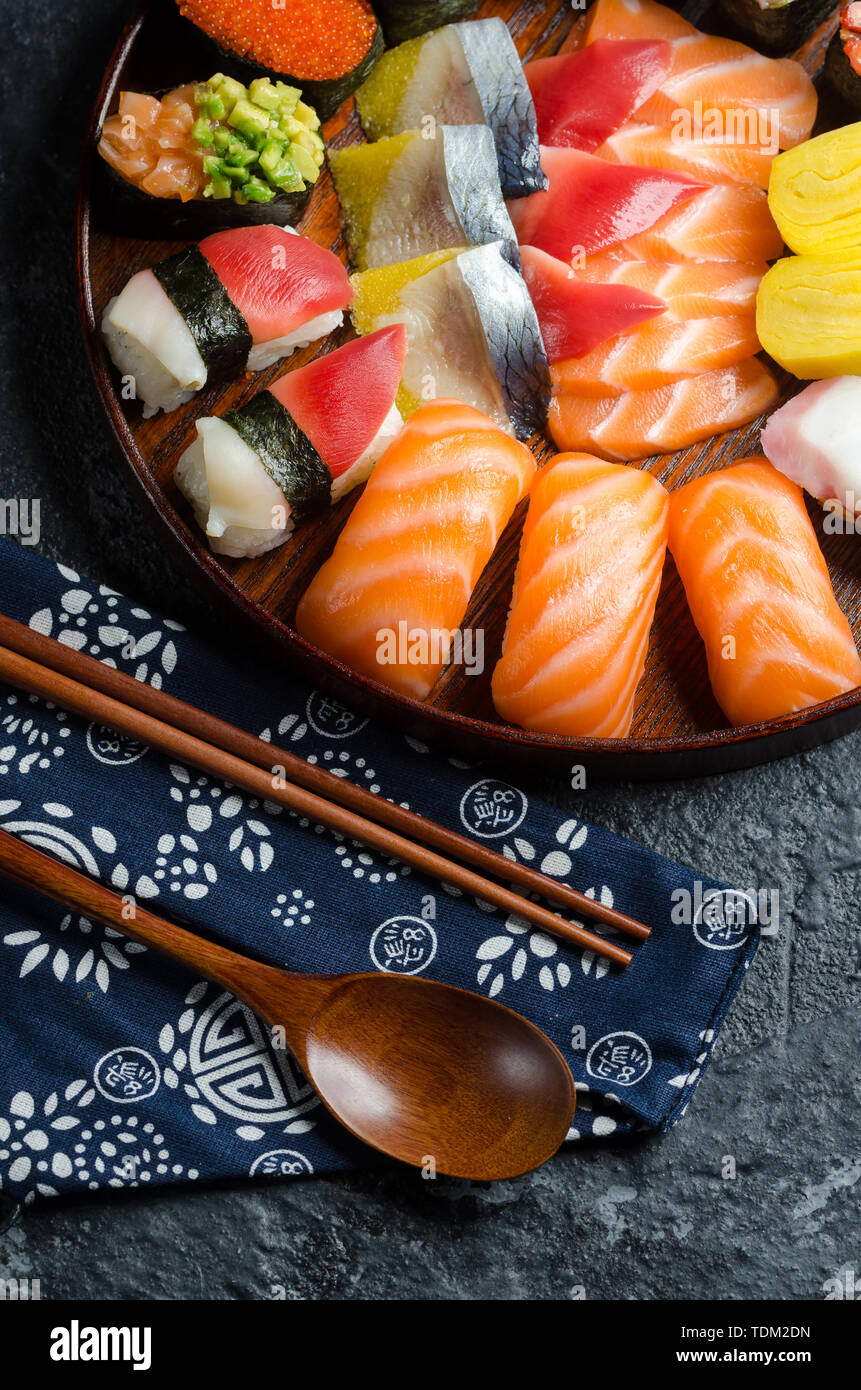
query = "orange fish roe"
{"x": 305, "y": 39}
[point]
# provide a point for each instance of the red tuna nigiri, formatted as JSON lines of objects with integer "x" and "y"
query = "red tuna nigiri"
{"x": 575, "y": 315}
{"x": 582, "y": 98}
{"x": 591, "y": 204}
{"x": 274, "y": 277}
{"x": 345, "y": 403}
{"x": 760, "y": 594}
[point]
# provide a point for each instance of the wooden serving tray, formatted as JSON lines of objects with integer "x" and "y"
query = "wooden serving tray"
{"x": 678, "y": 728}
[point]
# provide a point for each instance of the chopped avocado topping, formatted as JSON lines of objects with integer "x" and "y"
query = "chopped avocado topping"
{"x": 257, "y": 141}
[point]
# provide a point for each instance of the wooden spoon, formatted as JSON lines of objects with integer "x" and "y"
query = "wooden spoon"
{"x": 426, "y": 1073}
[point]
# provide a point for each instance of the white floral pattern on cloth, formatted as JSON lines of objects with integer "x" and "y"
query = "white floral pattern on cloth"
{"x": 56, "y": 1139}
{"x": 220, "y": 1057}
{"x": 74, "y": 948}
{"x": 211, "y": 808}
{"x": 352, "y": 857}
{"x": 32, "y": 733}
{"x": 97, "y": 620}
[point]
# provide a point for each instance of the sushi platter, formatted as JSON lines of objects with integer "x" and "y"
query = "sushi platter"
{"x": 251, "y": 401}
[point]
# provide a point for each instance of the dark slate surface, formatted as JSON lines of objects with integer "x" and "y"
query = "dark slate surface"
{"x": 655, "y": 1220}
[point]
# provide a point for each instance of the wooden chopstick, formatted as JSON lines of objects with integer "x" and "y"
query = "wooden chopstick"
{"x": 128, "y": 691}
{"x": 258, "y": 777}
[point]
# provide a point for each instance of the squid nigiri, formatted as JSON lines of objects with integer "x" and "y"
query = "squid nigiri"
{"x": 760, "y": 594}
{"x": 240, "y": 298}
{"x": 414, "y": 546}
{"x": 584, "y": 599}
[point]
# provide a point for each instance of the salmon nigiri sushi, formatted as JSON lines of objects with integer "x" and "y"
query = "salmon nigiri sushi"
{"x": 584, "y": 599}
{"x": 389, "y": 601}
{"x": 759, "y": 592}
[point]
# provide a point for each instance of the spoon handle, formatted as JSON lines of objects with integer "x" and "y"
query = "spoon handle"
{"x": 32, "y": 869}
{"x": 279, "y": 996}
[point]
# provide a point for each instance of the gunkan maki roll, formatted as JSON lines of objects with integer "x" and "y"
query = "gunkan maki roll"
{"x": 405, "y": 195}
{"x": 208, "y": 156}
{"x": 462, "y": 74}
{"x": 843, "y": 60}
{"x": 326, "y": 47}
{"x": 406, "y": 19}
{"x": 777, "y": 25}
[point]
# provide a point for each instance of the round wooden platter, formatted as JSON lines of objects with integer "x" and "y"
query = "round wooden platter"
{"x": 678, "y": 728}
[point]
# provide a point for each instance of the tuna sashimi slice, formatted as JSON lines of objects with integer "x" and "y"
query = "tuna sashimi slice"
{"x": 640, "y": 423}
{"x": 587, "y": 581}
{"x": 710, "y": 73}
{"x": 342, "y": 400}
{"x": 591, "y": 203}
{"x": 754, "y": 576}
{"x": 690, "y": 289}
{"x": 729, "y": 222}
{"x": 277, "y": 279}
{"x": 715, "y": 161}
{"x": 581, "y": 98}
{"x": 657, "y": 354}
{"x": 574, "y": 315}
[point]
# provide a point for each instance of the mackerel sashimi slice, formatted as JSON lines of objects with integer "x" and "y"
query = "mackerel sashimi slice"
{"x": 345, "y": 403}
{"x": 462, "y": 74}
{"x": 575, "y": 315}
{"x": 404, "y": 195}
{"x": 472, "y": 333}
{"x": 582, "y": 98}
{"x": 592, "y": 204}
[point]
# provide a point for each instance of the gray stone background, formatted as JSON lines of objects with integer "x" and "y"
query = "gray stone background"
{"x": 654, "y": 1220}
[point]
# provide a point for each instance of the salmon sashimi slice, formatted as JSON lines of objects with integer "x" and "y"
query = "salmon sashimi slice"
{"x": 591, "y": 204}
{"x": 717, "y": 161}
{"x": 277, "y": 279}
{"x": 695, "y": 290}
{"x": 759, "y": 592}
{"x": 720, "y": 75}
{"x": 729, "y": 222}
{"x": 640, "y": 423}
{"x": 584, "y": 599}
{"x": 635, "y": 19}
{"x": 712, "y": 74}
{"x": 656, "y": 354}
{"x": 414, "y": 546}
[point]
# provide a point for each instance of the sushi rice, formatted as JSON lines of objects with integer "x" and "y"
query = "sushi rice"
{"x": 150, "y": 341}
{"x": 233, "y": 497}
{"x": 235, "y": 500}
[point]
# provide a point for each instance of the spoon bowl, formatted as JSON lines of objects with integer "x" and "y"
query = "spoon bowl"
{"x": 426, "y": 1073}
{"x": 438, "y": 1077}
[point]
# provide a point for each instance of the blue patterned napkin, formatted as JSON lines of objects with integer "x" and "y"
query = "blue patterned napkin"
{"x": 120, "y": 1069}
